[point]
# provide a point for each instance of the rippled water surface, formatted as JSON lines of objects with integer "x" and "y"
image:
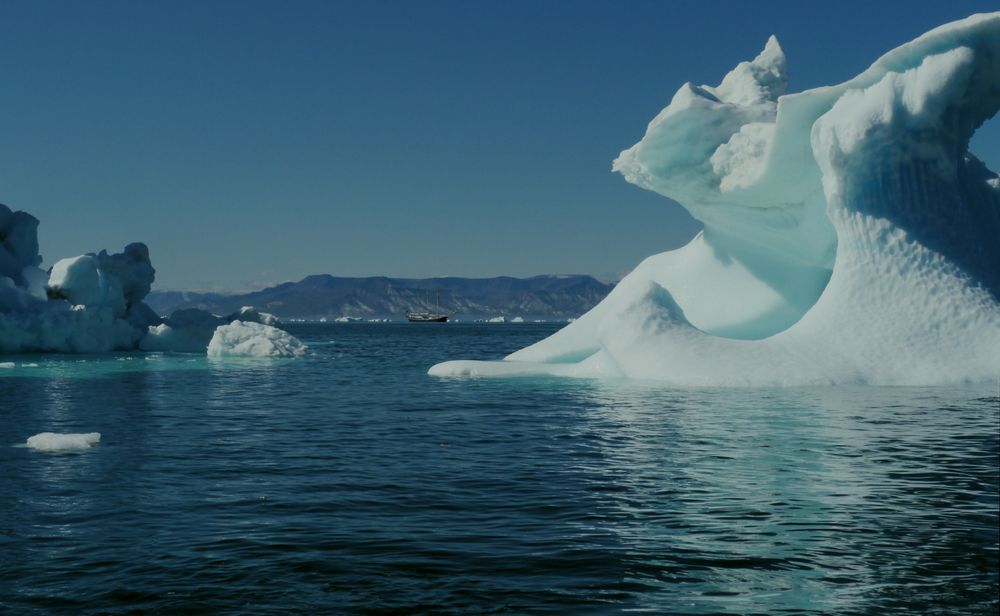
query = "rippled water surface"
{"x": 350, "y": 481}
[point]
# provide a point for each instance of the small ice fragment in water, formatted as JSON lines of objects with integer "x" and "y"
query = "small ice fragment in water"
{"x": 50, "y": 441}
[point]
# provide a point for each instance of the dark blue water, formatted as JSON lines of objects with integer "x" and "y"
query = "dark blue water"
{"x": 352, "y": 482}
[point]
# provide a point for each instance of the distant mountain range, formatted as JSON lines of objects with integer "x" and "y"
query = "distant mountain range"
{"x": 325, "y": 296}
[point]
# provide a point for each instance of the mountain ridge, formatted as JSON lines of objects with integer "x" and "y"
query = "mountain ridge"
{"x": 326, "y": 296}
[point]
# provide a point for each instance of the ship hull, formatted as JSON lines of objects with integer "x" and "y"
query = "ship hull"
{"x": 427, "y": 318}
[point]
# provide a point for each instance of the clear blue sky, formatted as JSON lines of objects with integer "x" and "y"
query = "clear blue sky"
{"x": 254, "y": 142}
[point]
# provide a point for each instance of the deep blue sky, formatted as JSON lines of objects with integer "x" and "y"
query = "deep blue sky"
{"x": 254, "y": 142}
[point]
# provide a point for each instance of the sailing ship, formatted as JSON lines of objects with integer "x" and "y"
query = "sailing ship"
{"x": 428, "y": 317}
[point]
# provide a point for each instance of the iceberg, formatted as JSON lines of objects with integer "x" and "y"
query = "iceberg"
{"x": 92, "y": 303}
{"x": 249, "y": 339}
{"x": 85, "y": 304}
{"x": 51, "y": 441}
{"x": 849, "y": 235}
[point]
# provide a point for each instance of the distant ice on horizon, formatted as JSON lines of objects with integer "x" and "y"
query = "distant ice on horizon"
{"x": 849, "y": 235}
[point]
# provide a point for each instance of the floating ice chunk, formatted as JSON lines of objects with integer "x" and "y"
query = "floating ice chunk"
{"x": 7, "y": 364}
{"x": 500, "y": 319}
{"x": 51, "y": 441}
{"x": 240, "y": 339}
{"x": 517, "y": 320}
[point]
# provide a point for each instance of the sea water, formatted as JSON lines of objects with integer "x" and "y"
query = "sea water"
{"x": 350, "y": 481}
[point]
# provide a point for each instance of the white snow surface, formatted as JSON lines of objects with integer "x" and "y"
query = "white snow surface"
{"x": 849, "y": 236}
{"x": 248, "y": 339}
{"x": 51, "y": 441}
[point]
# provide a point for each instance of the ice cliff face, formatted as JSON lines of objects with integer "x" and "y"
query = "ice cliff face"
{"x": 849, "y": 235}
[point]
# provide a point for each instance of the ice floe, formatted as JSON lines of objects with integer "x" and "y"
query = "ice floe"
{"x": 51, "y": 441}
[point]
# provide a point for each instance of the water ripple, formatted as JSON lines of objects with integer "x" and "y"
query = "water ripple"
{"x": 351, "y": 482}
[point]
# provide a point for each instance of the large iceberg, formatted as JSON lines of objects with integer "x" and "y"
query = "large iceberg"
{"x": 849, "y": 235}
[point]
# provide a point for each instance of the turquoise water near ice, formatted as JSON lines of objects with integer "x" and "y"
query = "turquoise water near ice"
{"x": 351, "y": 482}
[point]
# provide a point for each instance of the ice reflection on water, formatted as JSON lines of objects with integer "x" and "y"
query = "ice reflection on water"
{"x": 778, "y": 497}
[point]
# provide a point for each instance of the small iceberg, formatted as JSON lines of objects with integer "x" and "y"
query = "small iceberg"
{"x": 247, "y": 339}
{"x": 51, "y": 441}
